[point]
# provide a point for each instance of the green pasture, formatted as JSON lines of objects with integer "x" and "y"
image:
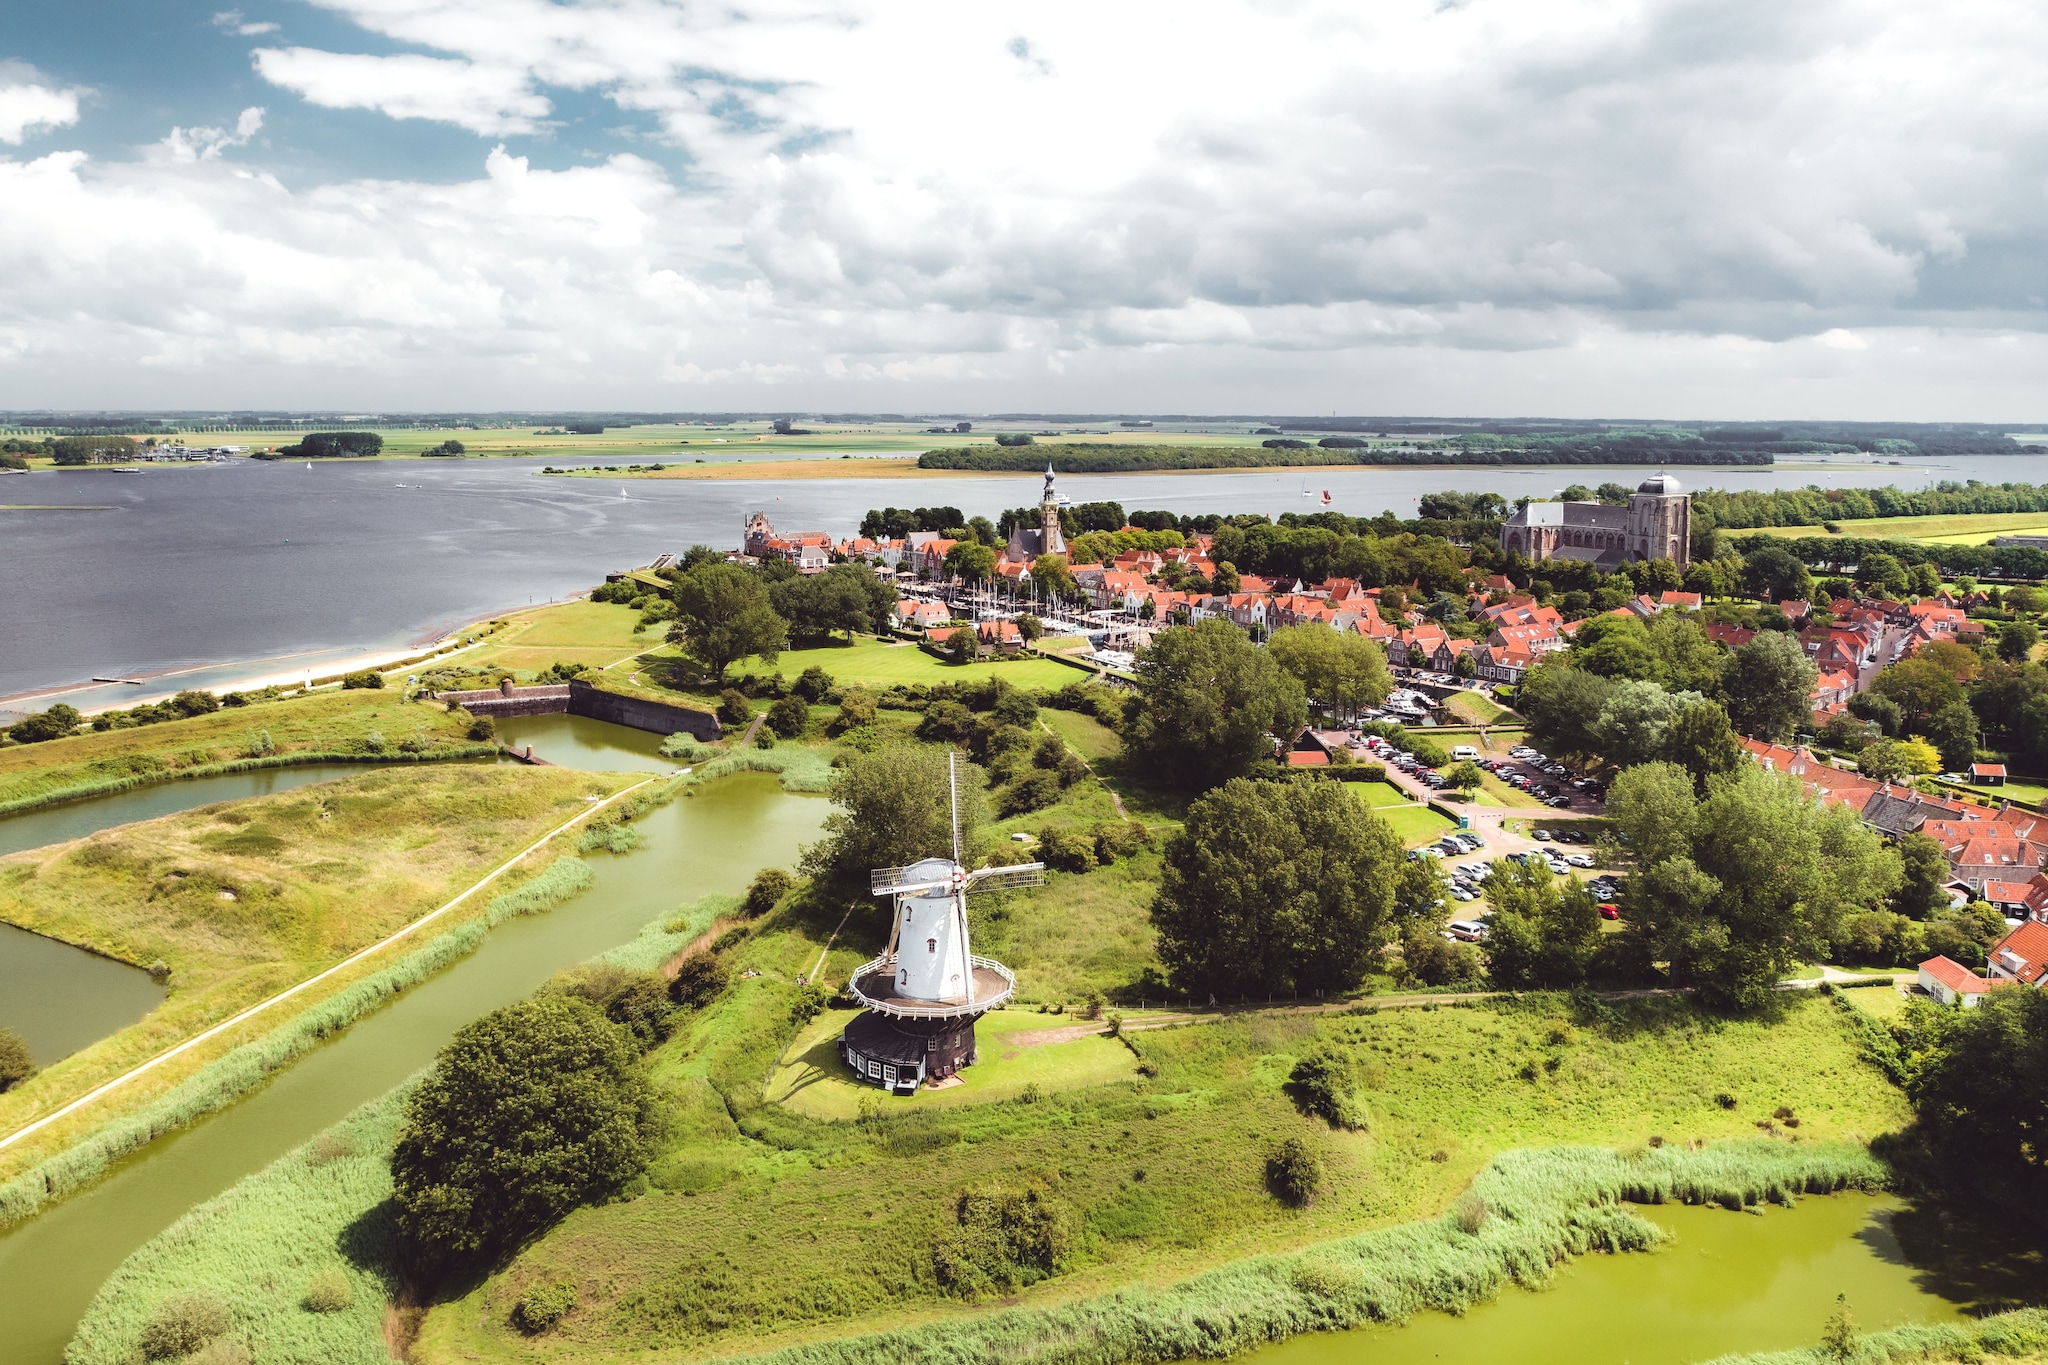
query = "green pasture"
{"x": 1971, "y": 529}
{"x": 599, "y": 634}
{"x": 1415, "y": 824}
{"x": 882, "y": 664}
{"x": 1379, "y": 794}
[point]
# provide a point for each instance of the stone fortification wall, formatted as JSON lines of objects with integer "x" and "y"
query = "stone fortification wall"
{"x": 507, "y": 700}
{"x": 662, "y": 718}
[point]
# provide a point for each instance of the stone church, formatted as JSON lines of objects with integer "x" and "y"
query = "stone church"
{"x": 1656, "y": 524}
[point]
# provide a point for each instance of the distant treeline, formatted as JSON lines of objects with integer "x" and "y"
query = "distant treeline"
{"x": 1818, "y": 506}
{"x": 331, "y": 445}
{"x": 1841, "y": 554}
{"x": 1099, "y": 458}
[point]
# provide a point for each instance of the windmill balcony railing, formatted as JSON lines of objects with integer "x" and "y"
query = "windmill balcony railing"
{"x": 872, "y": 984}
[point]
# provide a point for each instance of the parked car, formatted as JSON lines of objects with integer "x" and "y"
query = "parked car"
{"x": 1610, "y": 912}
{"x": 1464, "y": 751}
{"x": 1541, "y": 836}
{"x": 1558, "y": 802}
{"x": 1579, "y": 860}
{"x": 1467, "y": 930}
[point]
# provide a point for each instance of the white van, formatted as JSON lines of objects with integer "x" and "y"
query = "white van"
{"x": 1464, "y": 751}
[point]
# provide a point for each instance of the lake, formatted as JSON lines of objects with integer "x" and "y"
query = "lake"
{"x": 202, "y": 568}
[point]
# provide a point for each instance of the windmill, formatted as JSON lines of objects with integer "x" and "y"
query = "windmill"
{"x": 922, "y": 995}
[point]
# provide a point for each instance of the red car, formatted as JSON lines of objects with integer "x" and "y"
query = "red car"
{"x": 1610, "y": 912}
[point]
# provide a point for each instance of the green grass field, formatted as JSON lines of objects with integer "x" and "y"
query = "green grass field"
{"x": 1977, "y": 529}
{"x": 1379, "y": 794}
{"x": 599, "y": 634}
{"x": 812, "y": 1081}
{"x": 879, "y": 664}
{"x": 243, "y": 898}
{"x": 1475, "y": 709}
{"x": 780, "y": 1229}
{"x": 1415, "y": 824}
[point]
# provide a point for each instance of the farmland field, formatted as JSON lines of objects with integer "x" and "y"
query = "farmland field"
{"x": 1977, "y": 529}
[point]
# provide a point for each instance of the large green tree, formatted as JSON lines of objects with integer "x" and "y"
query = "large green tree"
{"x": 1735, "y": 888}
{"x": 529, "y": 1111}
{"x": 1769, "y": 684}
{"x": 1274, "y": 888}
{"x": 1341, "y": 671}
{"x": 1614, "y": 646}
{"x": 1209, "y": 705}
{"x": 892, "y": 809}
{"x": 1980, "y": 1091}
{"x": 1545, "y": 931}
{"x": 723, "y": 615}
{"x": 1776, "y": 575}
{"x": 1700, "y": 740}
{"x": 1635, "y": 720}
{"x": 844, "y": 599}
{"x": 1920, "y": 688}
{"x": 1563, "y": 705}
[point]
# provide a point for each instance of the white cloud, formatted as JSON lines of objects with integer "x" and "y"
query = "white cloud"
{"x": 29, "y": 104}
{"x": 232, "y": 21}
{"x": 1529, "y": 205}
{"x": 488, "y": 100}
{"x": 206, "y": 144}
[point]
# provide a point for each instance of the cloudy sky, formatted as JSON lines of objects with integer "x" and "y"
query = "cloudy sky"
{"x": 1712, "y": 208}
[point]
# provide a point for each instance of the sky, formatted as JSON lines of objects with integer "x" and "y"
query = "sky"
{"x": 1605, "y": 208}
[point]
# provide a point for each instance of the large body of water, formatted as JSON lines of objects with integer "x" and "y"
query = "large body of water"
{"x": 712, "y": 840}
{"x": 195, "y": 567}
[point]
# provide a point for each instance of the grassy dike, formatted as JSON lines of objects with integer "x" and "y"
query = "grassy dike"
{"x": 2019, "y": 1336}
{"x": 321, "y": 727}
{"x": 243, "y": 899}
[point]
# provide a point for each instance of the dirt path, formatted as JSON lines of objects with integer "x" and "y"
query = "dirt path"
{"x": 1115, "y": 800}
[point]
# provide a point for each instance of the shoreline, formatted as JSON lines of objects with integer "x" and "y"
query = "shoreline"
{"x": 895, "y": 467}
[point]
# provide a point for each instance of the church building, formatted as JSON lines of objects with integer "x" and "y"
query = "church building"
{"x": 1026, "y": 545}
{"x": 1656, "y": 524}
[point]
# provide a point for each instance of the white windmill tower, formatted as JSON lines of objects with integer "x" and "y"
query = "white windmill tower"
{"x": 923, "y": 994}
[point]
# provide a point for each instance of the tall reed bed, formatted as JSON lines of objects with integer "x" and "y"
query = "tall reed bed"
{"x": 83, "y": 791}
{"x": 2022, "y": 1334}
{"x": 1525, "y": 1213}
{"x": 226, "y": 1079}
{"x": 321, "y": 1208}
{"x": 801, "y": 769}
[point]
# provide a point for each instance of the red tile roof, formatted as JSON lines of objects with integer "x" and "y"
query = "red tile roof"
{"x": 1955, "y": 976}
{"x": 2022, "y": 954}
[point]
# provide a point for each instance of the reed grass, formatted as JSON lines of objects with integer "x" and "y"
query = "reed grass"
{"x": 803, "y": 770}
{"x": 2018, "y": 1335}
{"x": 1541, "y": 1207}
{"x": 227, "y": 1079}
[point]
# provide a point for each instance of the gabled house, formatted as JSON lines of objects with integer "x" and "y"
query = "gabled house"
{"x": 2021, "y": 955}
{"x": 1952, "y": 983}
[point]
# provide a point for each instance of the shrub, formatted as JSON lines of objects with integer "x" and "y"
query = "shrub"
{"x": 813, "y": 684}
{"x": 328, "y": 1292}
{"x": 698, "y": 981}
{"x": 734, "y": 708}
{"x": 542, "y": 1306}
{"x": 364, "y": 679}
{"x": 1066, "y": 851}
{"x": 764, "y": 738}
{"x": 483, "y": 729}
{"x": 1002, "y": 1240}
{"x": 1433, "y": 960}
{"x": 789, "y": 717}
{"x": 1321, "y": 1085}
{"x": 1119, "y": 839}
{"x": 194, "y": 703}
{"x": 529, "y": 1111}
{"x": 1471, "y": 1213}
{"x": 637, "y": 1001}
{"x": 1035, "y": 790}
{"x": 16, "y": 1065}
{"x": 856, "y": 708}
{"x": 1294, "y": 1172}
{"x": 182, "y": 1324}
{"x": 770, "y": 885}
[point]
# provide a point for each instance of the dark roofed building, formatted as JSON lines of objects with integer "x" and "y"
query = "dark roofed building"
{"x": 1656, "y": 524}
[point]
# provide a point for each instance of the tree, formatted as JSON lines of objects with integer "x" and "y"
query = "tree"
{"x": 1342, "y": 670}
{"x": 846, "y": 598}
{"x": 1053, "y": 577}
{"x": 1634, "y": 721}
{"x": 1732, "y": 890}
{"x": 530, "y": 1111}
{"x": 971, "y": 562}
{"x": 1209, "y": 704}
{"x": 1923, "y": 877}
{"x": 1545, "y": 931}
{"x": 1888, "y": 760}
{"x": 789, "y": 717}
{"x": 1884, "y": 573}
{"x": 723, "y": 615}
{"x": 1700, "y": 740}
{"x": 892, "y": 809}
{"x": 1690, "y": 661}
{"x": 1980, "y": 1093}
{"x": 1953, "y": 731}
{"x": 1919, "y": 686}
{"x": 1769, "y": 685}
{"x": 1775, "y": 575}
{"x": 2016, "y": 642}
{"x": 1563, "y": 706}
{"x": 77, "y": 450}
{"x": 1274, "y": 888}
{"x": 1615, "y": 647}
{"x": 1464, "y": 776}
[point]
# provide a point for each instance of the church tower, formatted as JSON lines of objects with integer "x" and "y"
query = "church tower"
{"x": 1660, "y": 521}
{"x": 1050, "y": 539}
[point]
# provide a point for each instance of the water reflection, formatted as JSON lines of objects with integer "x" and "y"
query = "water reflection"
{"x": 60, "y": 998}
